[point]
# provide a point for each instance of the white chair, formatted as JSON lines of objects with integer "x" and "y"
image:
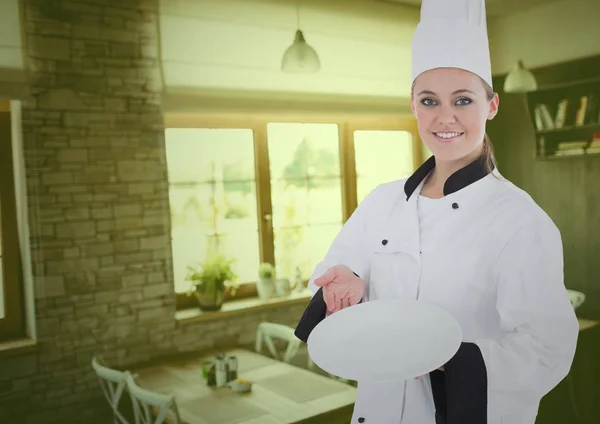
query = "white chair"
{"x": 150, "y": 407}
{"x": 112, "y": 383}
{"x": 267, "y": 331}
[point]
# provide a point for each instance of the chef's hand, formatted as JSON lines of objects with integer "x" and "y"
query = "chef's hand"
{"x": 341, "y": 288}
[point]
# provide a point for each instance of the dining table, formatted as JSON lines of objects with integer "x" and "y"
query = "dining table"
{"x": 280, "y": 393}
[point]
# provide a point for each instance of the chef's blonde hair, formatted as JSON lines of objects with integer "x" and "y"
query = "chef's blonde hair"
{"x": 488, "y": 155}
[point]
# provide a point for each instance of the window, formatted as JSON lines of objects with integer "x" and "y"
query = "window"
{"x": 381, "y": 156}
{"x": 212, "y": 191}
{"x": 11, "y": 294}
{"x": 306, "y": 193}
{"x": 274, "y": 190}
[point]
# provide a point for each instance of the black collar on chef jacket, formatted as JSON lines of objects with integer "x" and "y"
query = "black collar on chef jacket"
{"x": 465, "y": 176}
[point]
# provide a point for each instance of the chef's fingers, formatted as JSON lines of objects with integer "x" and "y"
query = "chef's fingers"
{"x": 345, "y": 302}
{"x": 326, "y": 278}
{"x": 353, "y": 299}
{"x": 328, "y": 298}
{"x": 337, "y": 302}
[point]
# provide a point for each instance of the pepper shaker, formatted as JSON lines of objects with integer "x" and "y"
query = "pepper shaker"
{"x": 231, "y": 368}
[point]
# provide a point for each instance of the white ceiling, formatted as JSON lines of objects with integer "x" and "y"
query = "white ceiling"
{"x": 494, "y": 8}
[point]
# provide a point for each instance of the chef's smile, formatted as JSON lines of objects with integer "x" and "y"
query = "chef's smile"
{"x": 447, "y": 136}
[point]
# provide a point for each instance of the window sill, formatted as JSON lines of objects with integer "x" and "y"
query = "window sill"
{"x": 242, "y": 306}
{"x": 17, "y": 347}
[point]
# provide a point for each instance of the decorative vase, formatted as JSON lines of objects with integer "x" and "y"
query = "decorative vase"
{"x": 210, "y": 298}
{"x": 265, "y": 288}
{"x": 283, "y": 287}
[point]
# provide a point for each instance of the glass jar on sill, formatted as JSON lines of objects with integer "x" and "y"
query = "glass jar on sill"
{"x": 283, "y": 287}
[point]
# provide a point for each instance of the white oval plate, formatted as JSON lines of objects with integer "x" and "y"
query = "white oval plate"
{"x": 385, "y": 340}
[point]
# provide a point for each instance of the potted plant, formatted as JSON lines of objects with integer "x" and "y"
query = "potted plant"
{"x": 210, "y": 281}
{"x": 266, "y": 281}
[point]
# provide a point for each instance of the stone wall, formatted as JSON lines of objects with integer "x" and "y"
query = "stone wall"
{"x": 98, "y": 209}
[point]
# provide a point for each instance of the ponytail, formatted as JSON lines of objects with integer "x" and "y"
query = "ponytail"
{"x": 488, "y": 157}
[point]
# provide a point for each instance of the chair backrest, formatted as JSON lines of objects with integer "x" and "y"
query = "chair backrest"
{"x": 267, "y": 331}
{"x": 150, "y": 407}
{"x": 112, "y": 382}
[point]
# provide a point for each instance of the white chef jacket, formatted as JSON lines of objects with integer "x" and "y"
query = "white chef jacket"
{"x": 494, "y": 261}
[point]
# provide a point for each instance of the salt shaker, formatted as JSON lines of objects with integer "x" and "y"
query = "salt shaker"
{"x": 221, "y": 371}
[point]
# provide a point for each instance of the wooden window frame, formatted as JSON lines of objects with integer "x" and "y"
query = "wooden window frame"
{"x": 12, "y": 326}
{"x": 347, "y": 124}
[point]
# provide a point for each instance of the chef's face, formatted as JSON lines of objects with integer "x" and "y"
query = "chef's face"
{"x": 452, "y": 106}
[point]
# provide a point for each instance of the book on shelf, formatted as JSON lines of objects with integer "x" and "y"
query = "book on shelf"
{"x": 570, "y": 112}
{"x": 587, "y": 112}
{"x": 571, "y": 148}
{"x": 570, "y": 152}
{"x": 594, "y": 146}
{"x": 543, "y": 119}
{"x": 577, "y": 111}
{"x": 577, "y": 147}
{"x": 592, "y": 150}
{"x": 568, "y": 145}
{"x": 581, "y": 112}
{"x": 561, "y": 113}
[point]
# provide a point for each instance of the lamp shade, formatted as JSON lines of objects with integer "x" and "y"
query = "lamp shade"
{"x": 519, "y": 80}
{"x": 300, "y": 57}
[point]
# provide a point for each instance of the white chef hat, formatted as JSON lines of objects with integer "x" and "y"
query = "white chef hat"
{"x": 452, "y": 33}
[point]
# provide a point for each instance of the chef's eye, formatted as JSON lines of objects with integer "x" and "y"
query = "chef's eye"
{"x": 463, "y": 101}
{"x": 428, "y": 101}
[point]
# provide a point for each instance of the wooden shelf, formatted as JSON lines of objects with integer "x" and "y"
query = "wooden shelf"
{"x": 569, "y": 84}
{"x": 567, "y": 157}
{"x": 570, "y": 99}
{"x": 571, "y": 129}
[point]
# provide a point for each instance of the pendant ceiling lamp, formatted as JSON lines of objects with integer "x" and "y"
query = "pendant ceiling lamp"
{"x": 519, "y": 80}
{"x": 300, "y": 57}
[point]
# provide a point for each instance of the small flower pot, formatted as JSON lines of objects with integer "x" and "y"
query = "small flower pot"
{"x": 210, "y": 299}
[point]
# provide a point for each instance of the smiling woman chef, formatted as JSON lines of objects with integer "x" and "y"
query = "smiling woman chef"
{"x": 460, "y": 236}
